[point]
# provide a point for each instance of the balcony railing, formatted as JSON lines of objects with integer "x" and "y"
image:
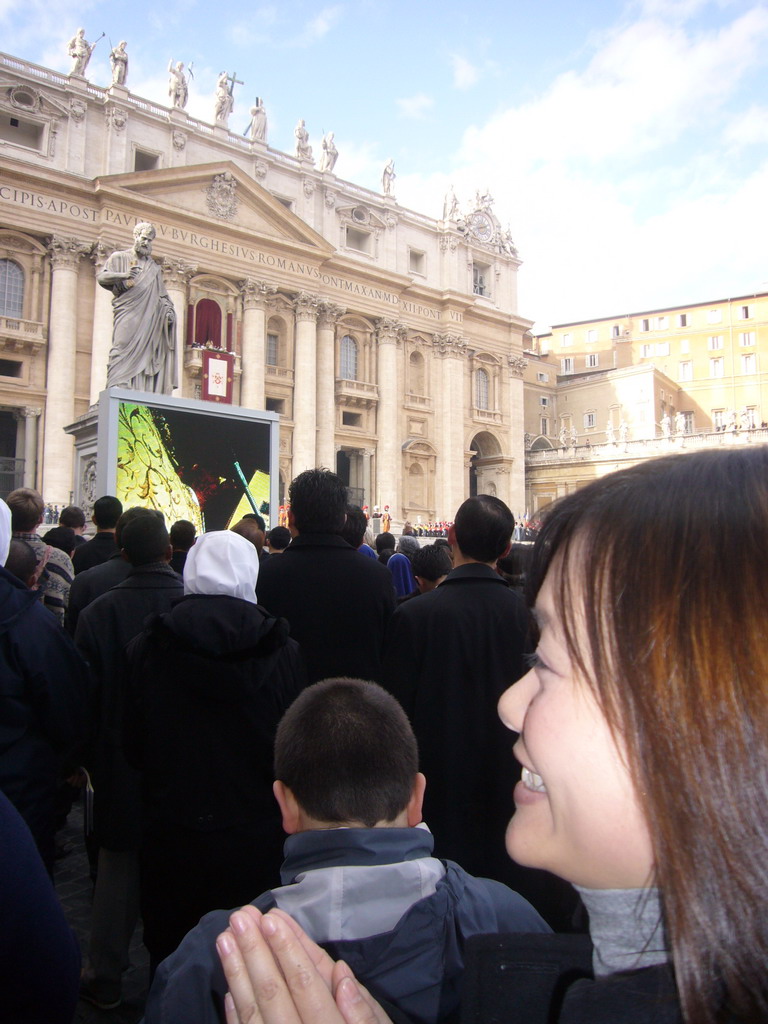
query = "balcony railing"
{"x": 644, "y": 447}
{"x": 18, "y": 335}
{"x": 357, "y": 392}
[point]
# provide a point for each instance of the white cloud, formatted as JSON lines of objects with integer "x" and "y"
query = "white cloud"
{"x": 415, "y": 107}
{"x": 319, "y": 26}
{"x": 465, "y": 74}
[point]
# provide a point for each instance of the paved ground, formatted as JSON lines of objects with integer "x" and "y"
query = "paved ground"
{"x": 74, "y": 887}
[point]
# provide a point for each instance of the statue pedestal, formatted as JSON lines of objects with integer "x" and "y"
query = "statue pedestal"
{"x": 85, "y": 431}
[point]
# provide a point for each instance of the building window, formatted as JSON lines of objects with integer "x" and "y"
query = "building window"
{"x": 144, "y": 161}
{"x": 716, "y": 367}
{"x": 589, "y": 420}
{"x": 481, "y": 279}
{"x": 746, "y": 338}
{"x": 688, "y": 422}
{"x": 544, "y": 401}
{"x": 417, "y": 262}
{"x": 646, "y": 351}
{"x": 714, "y": 316}
{"x": 749, "y": 363}
{"x": 276, "y": 405}
{"x": 543, "y": 378}
{"x": 615, "y": 331}
{"x": 714, "y": 342}
{"x": 661, "y": 323}
{"x": 567, "y": 339}
{"x": 685, "y": 370}
{"x": 744, "y": 313}
{"x": 351, "y": 419}
{"x": 718, "y": 418}
{"x": 10, "y": 368}
{"x": 544, "y": 424}
{"x": 273, "y": 349}
{"x": 21, "y": 132}
{"x": 592, "y": 360}
{"x": 645, "y": 325}
{"x": 685, "y": 346}
{"x": 208, "y": 322}
{"x": 481, "y": 389}
{"x": 566, "y": 365}
{"x": 416, "y": 363}
{"x": 750, "y": 411}
{"x": 358, "y": 240}
{"x": 591, "y": 335}
{"x": 682, "y": 320}
{"x": 11, "y": 288}
{"x": 662, "y": 348}
{"x": 348, "y": 369}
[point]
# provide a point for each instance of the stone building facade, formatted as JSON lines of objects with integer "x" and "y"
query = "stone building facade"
{"x": 387, "y": 341}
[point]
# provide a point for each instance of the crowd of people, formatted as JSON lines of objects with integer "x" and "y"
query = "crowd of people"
{"x": 364, "y": 696}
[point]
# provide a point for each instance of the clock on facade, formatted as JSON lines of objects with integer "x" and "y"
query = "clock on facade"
{"x": 481, "y": 226}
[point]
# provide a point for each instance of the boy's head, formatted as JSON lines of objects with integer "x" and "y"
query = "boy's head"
{"x": 345, "y": 754}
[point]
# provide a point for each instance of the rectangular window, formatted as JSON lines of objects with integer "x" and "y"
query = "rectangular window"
{"x": 351, "y": 419}
{"x": 688, "y": 418}
{"x": 417, "y": 262}
{"x": 481, "y": 281}
{"x": 714, "y": 316}
{"x": 589, "y": 420}
{"x": 592, "y": 360}
{"x": 682, "y": 320}
{"x": 544, "y": 424}
{"x": 661, "y": 323}
{"x": 685, "y": 346}
{"x": 145, "y": 161}
{"x": 544, "y": 401}
{"x": 645, "y": 325}
{"x": 10, "y": 368}
{"x": 718, "y": 418}
{"x": 273, "y": 344}
{"x": 749, "y": 363}
{"x": 744, "y": 313}
{"x": 716, "y": 367}
{"x": 685, "y": 370}
{"x": 714, "y": 342}
{"x": 591, "y": 335}
{"x": 646, "y": 351}
{"x": 662, "y": 348}
{"x": 566, "y": 365}
{"x": 543, "y": 378}
{"x": 567, "y": 339}
{"x": 615, "y": 331}
{"x": 746, "y": 338}
{"x": 275, "y": 405}
{"x": 359, "y": 240}
{"x": 750, "y": 411}
{"x": 21, "y": 132}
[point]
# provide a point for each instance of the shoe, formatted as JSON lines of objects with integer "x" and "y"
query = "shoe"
{"x": 88, "y": 993}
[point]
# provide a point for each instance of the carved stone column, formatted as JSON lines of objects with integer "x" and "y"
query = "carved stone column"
{"x": 256, "y": 296}
{"x": 103, "y": 319}
{"x": 367, "y": 494}
{"x": 389, "y": 462}
{"x": 328, "y": 314}
{"x": 30, "y": 417}
{"x": 176, "y": 275}
{"x": 305, "y": 383}
{"x": 62, "y": 344}
{"x": 452, "y": 484}
{"x": 515, "y": 434}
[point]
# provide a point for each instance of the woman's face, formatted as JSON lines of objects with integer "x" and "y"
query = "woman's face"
{"x": 577, "y": 813}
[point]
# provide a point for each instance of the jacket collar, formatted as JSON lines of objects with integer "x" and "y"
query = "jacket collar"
{"x": 325, "y": 540}
{"x": 473, "y": 570}
{"x": 359, "y": 847}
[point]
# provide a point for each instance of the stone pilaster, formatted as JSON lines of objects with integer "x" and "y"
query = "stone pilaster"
{"x": 367, "y": 454}
{"x": 327, "y": 317}
{"x": 256, "y": 297}
{"x": 389, "y": 463}
{"x": 452, "y": 481}
{"x": 176, "y": 275}
{"x": 516, "y": 432}
{"x": 305, "y": 383}
{"x": 62, "y": 344}
{"x": 30, "y": 416}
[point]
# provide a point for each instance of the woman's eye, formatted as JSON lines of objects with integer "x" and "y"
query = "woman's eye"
{"x": 534, "y": 660}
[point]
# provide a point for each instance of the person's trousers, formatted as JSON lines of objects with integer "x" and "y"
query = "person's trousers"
{"x": 114, "y": 917}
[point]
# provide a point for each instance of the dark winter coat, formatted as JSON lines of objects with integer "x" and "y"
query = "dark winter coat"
{"x": 92, "y": 583}
{"x": 95, "y": 551}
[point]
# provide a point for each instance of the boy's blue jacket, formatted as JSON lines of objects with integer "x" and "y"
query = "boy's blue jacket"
{"x": 373, "y": 897}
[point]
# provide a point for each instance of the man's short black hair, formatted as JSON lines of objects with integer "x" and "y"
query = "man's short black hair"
{"x": 182, "y": 534}
{"x": 483, "y": 528}
{"x": 346, "y": 750}
{"x": 279, "y": 538}
{"x": 145, "y": 540}
{"x": 21, "y": 561}
{"x": 318, "y": 499}
{"x": 259, "y": 519}
{"x": 354, "y": 526}
{"x": 385, "y": 542}
{"x": 106, "y": 511}
{"x": 431, "y": 562}
{"x": 72, "y": 516}
{"x": 129, "y": 515}
{"x": 61, "y": 537}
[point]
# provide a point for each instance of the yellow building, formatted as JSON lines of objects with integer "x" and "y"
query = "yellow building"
{"x": 605, "y": 393}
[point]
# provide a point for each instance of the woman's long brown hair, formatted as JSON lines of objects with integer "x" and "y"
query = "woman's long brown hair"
{"x": 668, "y": 561}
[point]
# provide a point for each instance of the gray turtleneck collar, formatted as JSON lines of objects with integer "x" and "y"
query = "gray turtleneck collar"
{"x": 625, "y": 927}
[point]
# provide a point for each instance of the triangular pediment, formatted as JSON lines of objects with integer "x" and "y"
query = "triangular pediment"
{"x": 223, "y": 194}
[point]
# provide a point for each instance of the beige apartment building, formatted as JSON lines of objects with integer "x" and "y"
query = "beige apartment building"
{"x": 605, "y": 393}
{"x": 388, "y": 342}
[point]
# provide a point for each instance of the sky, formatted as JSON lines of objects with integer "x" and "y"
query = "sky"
{"x": 625, "y": 143}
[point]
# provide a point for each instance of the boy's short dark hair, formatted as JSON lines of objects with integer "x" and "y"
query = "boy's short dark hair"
{"x": 135, "y": 512}
{"x": 279, "y": 538}
{"x": 72, "y": 516}
{"x": 259, "y": 519}
{"x": 346, "y": 750}
{"x": 145, "y": 540}
{"x": 106, "y": 511}
{"x": 354, "y": 526}
{"x": 26, "y": 507}
{"x": 318, "y": 499}
{"x": 483, "y": 527}
{"x": 385, "y": 542}
{"x": 431, "y": 562}
{"x": 61, "y": 537}
{"x": 21, "y": 561}
{"x": 182, "y": 534}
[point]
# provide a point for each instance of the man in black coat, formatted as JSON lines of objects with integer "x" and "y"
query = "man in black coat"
{"x": 104, "y": 629}
{"x": 337, "y": 601}
{"x": 106, "y": 512}
{"x": 448, "y": 658}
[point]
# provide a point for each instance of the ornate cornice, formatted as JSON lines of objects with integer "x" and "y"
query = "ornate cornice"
{"x": 389, "y": 330}
{"x": 449, "y": 344}
{"x": 305, "y": 307}
{"x": 66, "y": 251}
{"x": 256, "y": 294}
{"x": 177, "y": 272}
{"x": 328, "y": 313}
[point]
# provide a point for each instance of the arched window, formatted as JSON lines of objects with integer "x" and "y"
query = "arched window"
{"x": 11, "y": 288}
{"x": 481, "y": 389}
{"x": 348, "y": 368}
{"x": 208, "y": 322}
{"x": 417, "y": 373}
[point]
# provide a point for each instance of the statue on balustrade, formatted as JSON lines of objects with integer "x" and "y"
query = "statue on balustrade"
{"x": 143, "y": 354}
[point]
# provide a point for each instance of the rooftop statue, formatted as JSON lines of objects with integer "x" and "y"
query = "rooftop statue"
{"x": 330, "y": 153}
{"x": 178, "y": 89}
{"x": 118, "y": 60}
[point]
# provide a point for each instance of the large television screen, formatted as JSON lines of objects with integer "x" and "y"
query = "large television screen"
{"x": 189, "y": 459}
